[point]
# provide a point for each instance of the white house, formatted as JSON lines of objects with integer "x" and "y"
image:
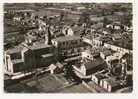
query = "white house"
{"x": 85, "y": 70}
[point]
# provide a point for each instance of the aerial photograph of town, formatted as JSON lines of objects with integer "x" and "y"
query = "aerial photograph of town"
{"x": 68, "y": 48}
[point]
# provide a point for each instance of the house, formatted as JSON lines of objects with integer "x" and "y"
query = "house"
{"x": 110, "y": 84}
{"x": 86, "y": 69}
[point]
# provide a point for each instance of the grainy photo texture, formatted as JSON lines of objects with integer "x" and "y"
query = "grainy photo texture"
{"x": 68, "y": 48}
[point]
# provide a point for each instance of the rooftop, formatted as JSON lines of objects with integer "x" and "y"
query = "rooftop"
{"x": 66, "y": 38}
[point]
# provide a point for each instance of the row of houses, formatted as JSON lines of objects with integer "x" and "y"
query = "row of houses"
{"x": 100, "y": 41}
{"x": 110, "y": 83}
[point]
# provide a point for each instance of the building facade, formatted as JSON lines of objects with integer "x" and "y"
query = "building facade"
{"x": 67, "y": 47}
